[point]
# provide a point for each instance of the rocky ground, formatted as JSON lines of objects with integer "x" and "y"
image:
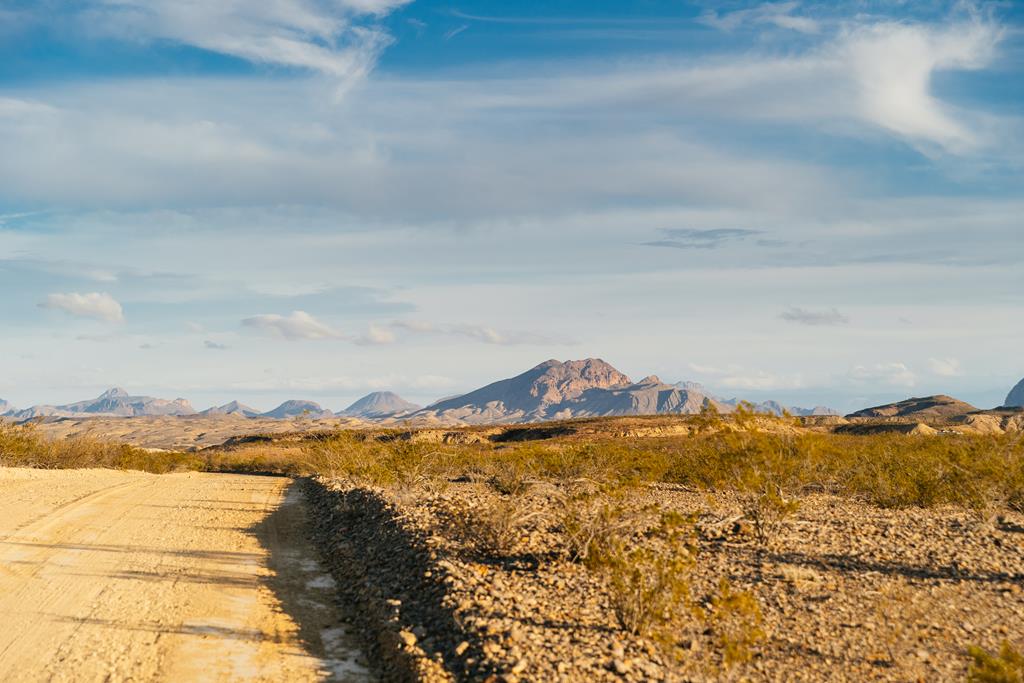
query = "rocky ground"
{"x": 846, "y": 591}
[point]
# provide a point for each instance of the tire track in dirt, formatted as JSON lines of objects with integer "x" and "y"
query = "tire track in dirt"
{"x": 115, "y": 576}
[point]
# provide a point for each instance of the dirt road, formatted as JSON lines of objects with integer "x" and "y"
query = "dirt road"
{"x": 112, "y": 576}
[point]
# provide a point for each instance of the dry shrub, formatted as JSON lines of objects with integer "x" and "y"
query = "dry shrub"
{"x": 765, "y": 506}
{"x": 510, "y": 478}
{"x": 495, "y": 528}
{"x": 22, "y": 446}
{"x": 649, "y": 583}
{"x": 735, "y": 621}
{"x": 593, "y": 517}
{"x": 1005, "y": 666}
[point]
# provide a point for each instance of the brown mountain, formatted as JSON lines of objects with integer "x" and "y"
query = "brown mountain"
{"x": 379, "y": 404}
{"x": 563, "y": 390}
{"x": 939, "y": 407}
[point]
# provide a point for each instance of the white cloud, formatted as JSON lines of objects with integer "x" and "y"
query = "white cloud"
{"x": 214, "y": 346}
{"x": 99, "y": 306}
{"x": 713, "y": 369}
{"x": 945, "y": 367}
{"x": 328, "y": 37}
{"x": 892, "y": 65}
{"x": 376, "y": 336}
{"x": 888, "y": 374}
{"x": 803, "y": 316}
{"x": 481, "y": 333}
{"x": 779, "y": 14}
{"x": 298, "y": 325}
{"x": 320, "y": 383}
{"x": 761, "y": 380}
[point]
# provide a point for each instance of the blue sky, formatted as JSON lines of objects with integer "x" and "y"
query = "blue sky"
{"x": 813, "y": 202}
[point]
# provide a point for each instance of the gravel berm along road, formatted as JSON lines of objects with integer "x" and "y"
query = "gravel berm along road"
{"x": 118, "y": 576}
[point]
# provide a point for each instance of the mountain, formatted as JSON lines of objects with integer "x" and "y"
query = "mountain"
{"x": 769, "y": 407}
{"x": 379, "y": 404}
{"x": 531, "y": 395}
{"x": 6, "y": 408}
{"x": 561, "y": 390}
{"x": 776, "y": 408}
{"x": 649, "y": 396}
{"x": 298, "y": 409}
{"x": 927, "y": 408}
{"x": 115, "y": 402}
{"x": 1015, "y": 399}
{"x": 233, "y": 408}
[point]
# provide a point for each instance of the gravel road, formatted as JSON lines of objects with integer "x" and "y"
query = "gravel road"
{"x": 114, "y": 576}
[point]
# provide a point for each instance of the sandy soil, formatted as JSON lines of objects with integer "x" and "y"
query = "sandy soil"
{"x": 184, "y": 577}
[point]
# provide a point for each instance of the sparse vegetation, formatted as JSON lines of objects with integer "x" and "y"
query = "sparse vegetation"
{"x": 771, "y": 468}
{"x": 649, "y": 582}
{"x": 497, "y": 529}
{"x": 21, "y": 446}
{"x": 1005, "y": 666}
{"x": 735, "y": 622}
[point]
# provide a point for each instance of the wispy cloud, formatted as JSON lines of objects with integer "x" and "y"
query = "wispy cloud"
{"x": 339, "y": 38}
{"x": 803, "y": 316}
{"x": 945, "y": 367}
{"x": 885, "y": 374}
{"x": 685, "y": 238}
{"x": 481, "y": 333}
{"x": 455, "y": 31}
{"x": 298, "y": 325}
{"x": 779, "y": 14}
{"x": 96, "y": 305}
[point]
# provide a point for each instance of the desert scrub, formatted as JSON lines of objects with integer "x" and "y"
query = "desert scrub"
{"x": 22, "y": 446}
{"x": 1005, "y": 666}
{"x": 494, "y": 528}
{"x": 981, "y": 473}
{"x": 649, "y": 582}
{"x": 734, "y": 620}
{"x": 593, "y": 517}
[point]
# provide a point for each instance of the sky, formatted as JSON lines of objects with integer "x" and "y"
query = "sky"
{"x": 818, "y": 203}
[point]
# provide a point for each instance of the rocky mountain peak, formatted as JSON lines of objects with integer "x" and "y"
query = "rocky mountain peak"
{"x": 559, "y": 381}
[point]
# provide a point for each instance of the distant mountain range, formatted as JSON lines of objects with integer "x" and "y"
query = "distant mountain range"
{"x": 233, "y": 408}
{"x": 557, "y": 390}
{"x": 552, "y": 390}
{"x": 298, "y": 409}
{"x": 115, "y": 402}
{"x": 379, "y": 404}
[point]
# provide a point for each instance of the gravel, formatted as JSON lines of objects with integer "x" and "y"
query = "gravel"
{"x": 848, "y": 591}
